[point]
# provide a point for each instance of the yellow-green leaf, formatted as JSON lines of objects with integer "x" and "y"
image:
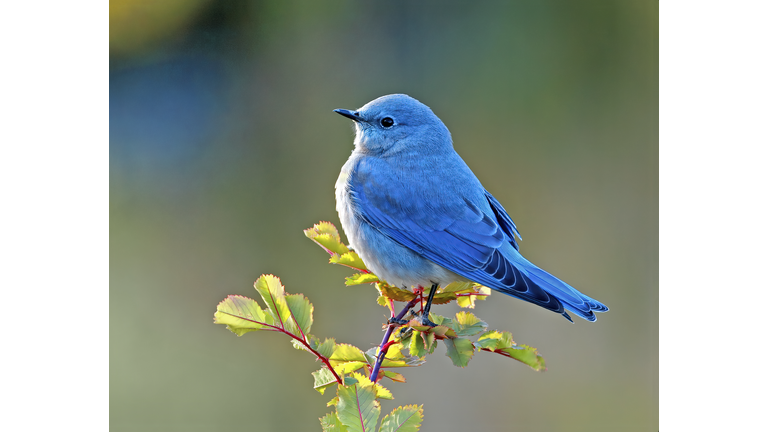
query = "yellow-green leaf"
{"x": 301, "y": 311}
{"x": 467, "y": 324}
{"x": 349, "y": 259}
{"x": 381, "y": 391}
{"x": 331, "y": 423}
{"x": 344, "y": 353}
{"x": 403, "y": 419}
{"x": 241, "y": 315}
{"x": 348, "y": 367}
{"x": 273, "y": 294}
{"x": 323, "y": 379}
{"x": 361, "y": 278}
{"x": 395, "y": 293}
{"x": 469, "y": 301}
{"x": 459, "y": 350}
{"x": 327, "y": 236}
{"x": 394, "y": 376}
{"x": 357, "y": 407}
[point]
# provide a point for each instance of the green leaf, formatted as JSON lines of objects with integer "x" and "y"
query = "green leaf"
{"x": 442, "y": 331}
{"x": 331, "y": 423}
{"x": 361, "y": 278}
{"x": 417, "y": 347}
{"x": 457, "y": 287}
{"x": 381, "y": 391}
{"x": 430, "y": 341}
{"x": 466, "y": 324}
{"x": 525, "y": 354}
{"x": 502, "y": 343}
{"x": 403, "y": 419}
{"x": 440, "y": 320}
{"x": 348, "y": 367}
{"x": 395, "y": 293}
{"x": 358, "y": 408}
{"x": 301, "y": 311}
{"x": 493, "y": 339}
{"x": 273, "y": 294}
{"x": 241, "y": 315}
{"x": 469, "y": 301}
{"x": 323, "y": 379}
{"x": 344, "y": 353}
{"x": 349, "y": 259}
{"x": 460, "y": 350}
{"x": 327, "y": 236}
{"x": 326, "y": 348}
{"x": 394, "y": 376}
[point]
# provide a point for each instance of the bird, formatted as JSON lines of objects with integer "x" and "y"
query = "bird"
{"x": 418, "y": 216}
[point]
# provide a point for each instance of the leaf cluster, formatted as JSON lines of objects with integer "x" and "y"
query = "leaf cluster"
{"x": 348, "y": 367}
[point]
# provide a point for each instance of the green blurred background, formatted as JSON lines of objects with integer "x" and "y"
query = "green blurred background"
{"x": 223, "y": 148}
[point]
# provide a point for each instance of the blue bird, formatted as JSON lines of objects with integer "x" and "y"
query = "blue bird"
{"x": 417, "y": 215}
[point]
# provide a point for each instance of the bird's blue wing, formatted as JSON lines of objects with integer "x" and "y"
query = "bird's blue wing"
{"x": 469, "y": 235}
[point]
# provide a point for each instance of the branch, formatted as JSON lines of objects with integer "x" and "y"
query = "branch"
{"x": 384, "y": 347}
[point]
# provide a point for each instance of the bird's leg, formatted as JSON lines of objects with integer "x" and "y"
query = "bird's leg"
{"x": 425, "y": 313}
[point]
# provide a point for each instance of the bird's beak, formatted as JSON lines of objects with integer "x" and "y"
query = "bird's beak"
{"x": 349, "y": 114}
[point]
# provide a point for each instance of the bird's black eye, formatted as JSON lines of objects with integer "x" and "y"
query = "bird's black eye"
{"x": 387, "y": 122}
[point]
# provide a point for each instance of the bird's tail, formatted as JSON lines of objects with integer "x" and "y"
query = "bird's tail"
{"x": 574, "y": 301}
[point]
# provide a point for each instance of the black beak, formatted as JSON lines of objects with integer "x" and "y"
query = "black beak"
{"x": 354, "y": 115}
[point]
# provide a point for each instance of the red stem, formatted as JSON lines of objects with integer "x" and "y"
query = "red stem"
{"x": 303, "y": 342}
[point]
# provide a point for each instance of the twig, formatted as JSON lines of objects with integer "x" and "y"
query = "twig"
{"x": 384, "y": 347}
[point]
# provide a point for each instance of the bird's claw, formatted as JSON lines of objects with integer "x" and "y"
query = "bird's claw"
{"x": 394, "y": 320}
{"x": 424, "y": 318}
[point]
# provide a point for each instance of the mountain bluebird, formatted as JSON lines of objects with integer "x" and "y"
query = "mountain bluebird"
{"x": 418, "y": 216}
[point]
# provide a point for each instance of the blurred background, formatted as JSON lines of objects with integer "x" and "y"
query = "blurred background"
{"x": 224, "y": 147}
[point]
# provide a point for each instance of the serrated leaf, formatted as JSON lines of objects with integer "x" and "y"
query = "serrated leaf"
{"x": 301, "y": 311}
{"x": 394, "y": 376}
{"x": 348, "y": 367}
{"x": 382, "y": 301}
{"x": 430, "y": 341}
{"x": 395, "y": 293}
{"x": 241, "y": 315}
{"x": 460, "y": 351}
{"x": 494, "y": 339}
{"x": 417, "y": 346}
{"x": 403, "y": 419}
{"x": 381, "y": 391}
{"x": 322, "y": 227}
{"x": 502, "y": 343}
{"x": 443, "y": 331}
{"x": 525, "y": 354}
{"x": 273, "y": 294}
{"x": 468, "y": 301}
{"x": 333, "y": 401}
{"x": 323, "y": 379}
{"x": 326, "y": 348}
{"x": 349, "y": 259}
{"x": 358, "y": 408}
{"x": 457, "y": 287}
{"x": 467, "y": 324}
{"x": 331, "y": 244}
{"x": 327, "y": 236}
{"x": 361, "y": 278}
{"x": 440, "y": 320}
{"x": 331, "y": 423}
{"x": 344, "y": 353}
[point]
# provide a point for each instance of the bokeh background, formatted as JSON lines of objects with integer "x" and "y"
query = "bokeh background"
{"x": 223, "y": 148}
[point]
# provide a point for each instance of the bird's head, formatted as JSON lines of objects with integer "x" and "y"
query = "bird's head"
{"x": 398, "y": 123}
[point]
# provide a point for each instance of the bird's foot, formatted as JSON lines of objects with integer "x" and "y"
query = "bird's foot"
{"x": 399, "y": 322}
{"x": 424, "y": 319}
